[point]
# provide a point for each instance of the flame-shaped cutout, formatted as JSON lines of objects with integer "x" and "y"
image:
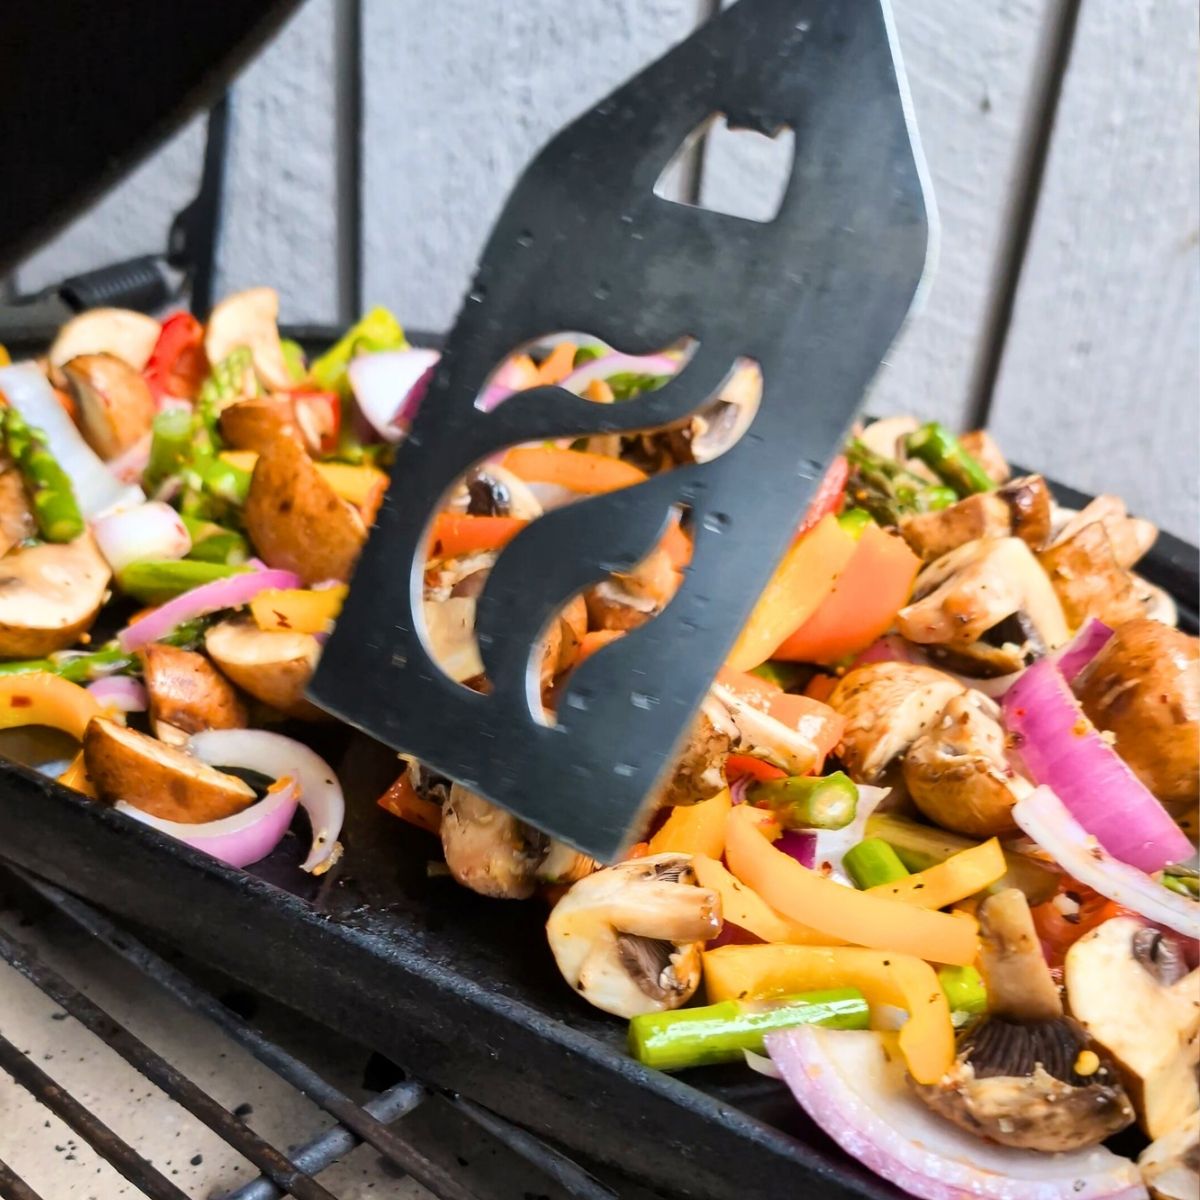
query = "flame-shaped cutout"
{"x": 521, "y": 486}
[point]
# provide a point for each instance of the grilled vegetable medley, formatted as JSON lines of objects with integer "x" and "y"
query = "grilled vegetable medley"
{"x": 927, "y": 855}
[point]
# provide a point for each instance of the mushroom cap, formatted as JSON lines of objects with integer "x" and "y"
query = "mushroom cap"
{"x": 1016, "y": 1084}
{"x": 116, "y": 408}
{"x": 887, "y": 706}
{"x": 128, "y": 335}
{"x": 488, "y": 849}
{"x": 272, "y": 666}
{"x": 250, "y": 318}
{"x": 49, "y": 595}
{"x": 188, "y": 694}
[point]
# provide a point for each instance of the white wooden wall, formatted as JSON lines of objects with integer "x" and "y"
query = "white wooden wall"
{"x": 1099, "y": 379}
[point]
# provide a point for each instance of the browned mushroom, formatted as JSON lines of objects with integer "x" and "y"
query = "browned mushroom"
{"x": 1130, "y": 537}
{"x": 628, "y": 600}
{"x": 1088, "y": 579}
{"x": 187, "y": 694}
{"x": 273, "y": 666}
{"x": 115, "y": 405}
{"x": 16, "y": 517}
{"x": 982, "y": 447}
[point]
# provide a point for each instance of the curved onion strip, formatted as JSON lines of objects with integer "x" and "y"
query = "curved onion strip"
{"x": 1060, "y": 748}
{"x": 857, "y": 1093}
{"x": 232, "y": 592}
{"x": 240, "y": 840}
{"x": 152, "y": 530}
{"x": 121, "y": 693}
{"x": 96, "y": 488}
{"x": 274, "y": 755}
{"x": 1044, "y": 817}
{"x": 618, "y": 364}
{"x": 389, "y": 387}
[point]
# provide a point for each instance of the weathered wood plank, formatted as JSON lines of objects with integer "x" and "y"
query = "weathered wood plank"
{"x": 459, "y": 96}
{"x": 1100, "y": 375}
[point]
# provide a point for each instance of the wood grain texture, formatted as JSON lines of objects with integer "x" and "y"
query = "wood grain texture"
{"x": 968, "y": 68}
{"x": 459, "y": 96}
{"x": 1101, "y": 373}
{"x": 132, "y": 218}
{"x": 280, "y": 220}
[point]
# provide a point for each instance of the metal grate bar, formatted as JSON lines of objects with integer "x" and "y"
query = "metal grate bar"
{"x": 337, "y": 1142}
{"x": 181, "y": 1089}
{"x": 13, "y": 1187}
{"x": 123, "y": 1157}
{"x": 354, "y": 1117}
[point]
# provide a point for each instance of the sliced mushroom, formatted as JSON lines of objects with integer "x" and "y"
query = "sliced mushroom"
{"x": 16, "y": 517}
{"x": 975, "y": 589}
{"x": 1019, "y": 984}
{"x": 250, "y": 318}
{"x": 957, "y": 772}
{"x": 700, "y": 769}
{"x": 1133, "y": 1001}
{"x": 747, "y": 721}
{"x": 256, "y": 423}
{"x": 628, "y": 938}
{"x": 1129, "y": 537}
{"x": 630, "y": 599}
{"x": 1088, "y": 580}
{"x": 710, "y": 433}
{"x": 1144, "y": 688}
{"x": 1170, "y": 1165}
{"x": 187, "y": 694}
{"x": 886, "y": 436}
{"x": 887, "y": 707}
{"x": 494, "y": 491}
{"x": 159, "y": 779}
{"x": 450, "y": 629}
{"x": 273, "y": 667}
{"x": 121, "y": 332}
{"x": 296, "y": 520}
{"x": 488, "y": 849}
{"x": 116, "y": 408}
{"x": 982, "y": 447}
{"x": 1031, "y": 507}
{"x": 49, "y": 595}
{"x": 1039, "y": 1086}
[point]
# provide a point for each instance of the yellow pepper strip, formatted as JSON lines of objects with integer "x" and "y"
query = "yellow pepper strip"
{"x": 883, "y": 977}
{"x": 242, "y": 459}
{"x": 355, "y": 484}
{"x": 77, "y": 778}
{"x": 40, "y": 698}
{"x": 749, "y": 911}
{"x": 960, "y": 876}
{"x": 804, "y": 578}
{"x": 5, "y": 357}
{"x": 695, "y": 828}
{"x": 297, "y": 610}
{"x": 859, "y": 917}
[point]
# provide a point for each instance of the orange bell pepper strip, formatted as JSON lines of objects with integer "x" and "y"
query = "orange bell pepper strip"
{"x": 579, "y": 470}
{"x": 800, "y": 584}
{"x": 883, "y": 977}
{"x": 745, "y": 908}
{"x": 959, "y": 876}
{"x": 678, "y": 546}
{"x": 599, "y": 392}
{"x": 76, "y": 777}
{"x": 455, "y": 534}
{"x": 298, "y": 610}
{"x": 695, "y": 828}
{"x": 843, "y": 912}
{"x": 595, "y": 640}
{"x": 871, "y": 589}
{"x": 402, "y": 801}
{"x": 40, "y": 698}
{"x": 558, "y": 364}
{"x": 739, "y": 765}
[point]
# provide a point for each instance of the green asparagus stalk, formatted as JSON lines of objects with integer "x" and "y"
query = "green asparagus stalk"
{"x": 921, "y": 846}
{"x": 214, "y": 543}
{"x": 808, "y": 802}
{"x": 50, "y": 491}
{"x": 85, "y": 666}
{"x": 154, "y": 581}
{"x": 786, "y": 675}
{"x": 944, "y": 455}
{"x": 965, "y": 989}
{"x": 172, "y": 436}
{"x": 717, "y": 1033}
{"x": 888, "y": 490}
{"x": 230, "y": 380}
{"x": 1183, "y": 880}
{"x": 855, "y": 520}
{"x": 872, "y": 863}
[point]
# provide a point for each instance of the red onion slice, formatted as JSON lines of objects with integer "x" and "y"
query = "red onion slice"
{"x": 120, "y": 693}
{"x": 153, "y": 530}
{"x": 1082, "y": 648}
{"x": 1061, "y": 748}
{"x": 389, "y": 387}
{"x": 245, "y": 838}
{"x": 618, "y": 364}
{"x": 275, "y": 755}
{"x": 200, "y": 601}
{"x": 1044, "y": 817}
{"x": 856, "y": 1091}
{"x": 798, "y": 844}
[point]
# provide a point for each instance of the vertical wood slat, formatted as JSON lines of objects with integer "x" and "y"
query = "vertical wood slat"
{"x": 458, "y": 97}
{"x": 1101, "y": 374}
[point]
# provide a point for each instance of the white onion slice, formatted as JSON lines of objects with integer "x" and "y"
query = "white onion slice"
{"x": 96, "y": 488}
{"x": 153, "y": 530}
{"x": 274, "y": 755}
{"x": 762, "y": 1065}
{"x": 1045, "y": 818}
{"x": 852, "y": 1083}
{"x": 240, "y": 840}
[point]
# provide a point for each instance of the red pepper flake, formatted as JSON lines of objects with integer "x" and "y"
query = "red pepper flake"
{"x": 281, "y": 618}
{"x": 20, "y": 701}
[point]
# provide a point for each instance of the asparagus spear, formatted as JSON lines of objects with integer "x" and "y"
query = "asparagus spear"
{"x": 214, "y": 543}
{"x": 805, "y": 802}
{"x": 888, "y": 490}
{"x": 696, "y": 1037}
{"x": 964, "y": 988}
{"x": 944, "y": 455}
{"x": 154, "y": 581}
{"x": 872, "y": 863}
{"x": 77, "y": 666}
{"x": 50, "y": 491}
{"x": 230, "y": 380}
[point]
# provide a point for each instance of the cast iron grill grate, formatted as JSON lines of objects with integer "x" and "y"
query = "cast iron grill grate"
{"x": 281, "y": 1174}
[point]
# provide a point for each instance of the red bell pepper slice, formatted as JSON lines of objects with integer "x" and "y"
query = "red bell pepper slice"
{"x": 177, "y": 365}
{"x": 829, "y": 495}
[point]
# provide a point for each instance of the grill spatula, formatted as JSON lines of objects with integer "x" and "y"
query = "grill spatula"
{"x": 814, "y": 297}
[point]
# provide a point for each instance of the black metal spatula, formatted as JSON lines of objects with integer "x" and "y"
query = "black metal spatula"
{"x": 814, "y": 297}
